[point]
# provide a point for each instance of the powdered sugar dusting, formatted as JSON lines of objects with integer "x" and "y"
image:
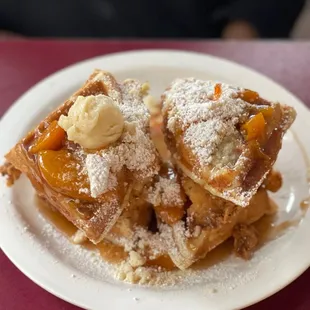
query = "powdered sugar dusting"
{"x": 195, "y": 101}
{"x": 134, "y": 149}
{"x": 205, "y": 119}
{"x": 98, "y": 169}
{"x": 89, "y": 262}
{"x": 166, "y": 192}
{"x": 208, "y": 136}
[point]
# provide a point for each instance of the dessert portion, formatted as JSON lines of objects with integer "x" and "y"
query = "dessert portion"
{"x": 96, "y": 161}
{"x": 225, "y": 138}
{"x": 85, "y": 157}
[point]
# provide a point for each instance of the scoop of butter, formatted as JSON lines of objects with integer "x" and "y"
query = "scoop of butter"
{"x": 93, "y": 122}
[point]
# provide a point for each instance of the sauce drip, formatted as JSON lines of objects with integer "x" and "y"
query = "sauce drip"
{"x": 111, "y": 253}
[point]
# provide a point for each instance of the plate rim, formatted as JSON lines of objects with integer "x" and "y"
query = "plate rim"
{"x": 14, "y": 107}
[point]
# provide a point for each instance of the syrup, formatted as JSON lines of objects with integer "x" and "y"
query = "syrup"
{"x": 111, "y": 253}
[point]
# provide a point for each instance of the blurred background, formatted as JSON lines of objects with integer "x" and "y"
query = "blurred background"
{"x": 302, "y": 26}
{"x": 228, "y": 19}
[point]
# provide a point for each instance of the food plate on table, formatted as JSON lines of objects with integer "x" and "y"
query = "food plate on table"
{"x": 158, "y": 179}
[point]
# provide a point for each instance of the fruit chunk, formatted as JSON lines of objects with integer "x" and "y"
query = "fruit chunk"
{"x": 169, "y": 214}
{"x": 62, "y": 171}
{"x": 51, "y": 139}
{"x": 217, "y": 91}
{"x": 255, "y": 127}
{"x": 249, "y": 96}
{"x": 267, "y": 112}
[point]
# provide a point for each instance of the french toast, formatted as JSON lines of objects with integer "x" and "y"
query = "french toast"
{"x": 102, "y": 161}
{"x": 69, "y": 176}
{"x": 225, "y": 138}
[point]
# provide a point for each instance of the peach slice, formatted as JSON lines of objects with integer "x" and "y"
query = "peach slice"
{"x": 62, "y": 171}
{"x": 249, "y": 96}
{"x": 51, "y": 139}
{"x": 255, "y": 127}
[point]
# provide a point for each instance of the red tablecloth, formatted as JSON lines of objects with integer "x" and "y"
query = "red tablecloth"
{"x": 23, "y": 63}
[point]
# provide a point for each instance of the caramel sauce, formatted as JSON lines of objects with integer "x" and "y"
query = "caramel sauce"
{"x": 264, "y": 227}
{"x": 163, "y": 261}
{"x": 268, "y": 230}
{"x": 116, "y": 254}
{"x": 57, "y": 219}
{"x": 217, "y": 255}
{"x": 110, "y": 252}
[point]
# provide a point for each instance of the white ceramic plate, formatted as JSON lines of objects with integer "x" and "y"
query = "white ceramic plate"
{"x": 81, "y": 278}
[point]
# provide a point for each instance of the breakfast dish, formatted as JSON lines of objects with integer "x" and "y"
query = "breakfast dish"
{"x": 223, "y": 137}
{"x": 95, "y": 161}
{"x": 37, "y": 239}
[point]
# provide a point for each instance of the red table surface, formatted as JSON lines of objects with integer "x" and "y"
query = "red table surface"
{"x": 23, "y": 63}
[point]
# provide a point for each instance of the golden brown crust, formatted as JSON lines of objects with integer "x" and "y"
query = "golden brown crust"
{"x": 208, "y": 142}
{"x": 188, "y": 228}
{"x": 10, "y": 172}
{"x": 210, "y": 221}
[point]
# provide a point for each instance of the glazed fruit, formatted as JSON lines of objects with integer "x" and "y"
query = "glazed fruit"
{"x": 62, "y": 171}
{"x": 249, "y": 96}
{"x": 255, "y": 127}
{"x": 51, "y": 139}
